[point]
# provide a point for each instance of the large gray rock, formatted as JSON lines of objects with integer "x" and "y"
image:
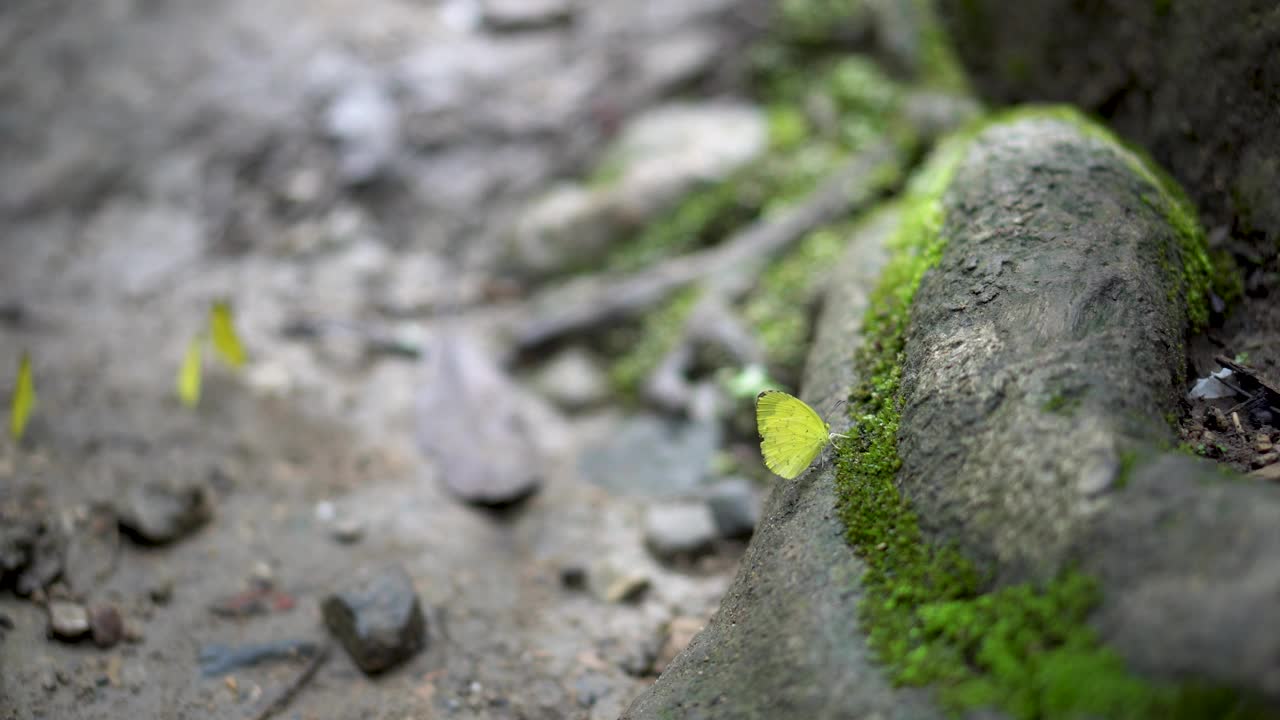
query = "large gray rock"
{"x": 1061, "y": 276}
{"x": 1194, "y": 82}
{"x": 1060, "y": 279}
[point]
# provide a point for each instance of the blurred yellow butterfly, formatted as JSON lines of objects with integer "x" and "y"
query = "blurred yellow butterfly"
{"x": 791, "y": 433}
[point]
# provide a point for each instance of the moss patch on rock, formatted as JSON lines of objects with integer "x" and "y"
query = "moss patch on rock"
{"x": 928, "y": 610}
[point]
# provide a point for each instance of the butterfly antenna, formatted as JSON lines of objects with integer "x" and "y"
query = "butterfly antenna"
{"x": 833, "y": 407}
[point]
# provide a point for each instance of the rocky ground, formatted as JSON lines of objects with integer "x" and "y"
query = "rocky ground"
{"x": 463, "y": 473}
{"x": 327, "y": 168}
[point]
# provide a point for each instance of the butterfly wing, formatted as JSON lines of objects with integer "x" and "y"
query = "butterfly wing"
{"x": 791, "y": 433}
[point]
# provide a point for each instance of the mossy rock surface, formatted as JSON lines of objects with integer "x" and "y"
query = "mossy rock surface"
{"x": 1065, "y": 276}
{"x": 1044, "y": 349}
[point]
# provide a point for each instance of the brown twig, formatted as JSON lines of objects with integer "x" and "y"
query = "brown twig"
{"x": 285, "y": 695}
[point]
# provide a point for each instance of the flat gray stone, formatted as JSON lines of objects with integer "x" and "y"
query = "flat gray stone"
{"x": 652, "y": 456}
{"x": 679, "y": 530}
{"x": 735, "y": 507}
{"x": 68, "y": 620}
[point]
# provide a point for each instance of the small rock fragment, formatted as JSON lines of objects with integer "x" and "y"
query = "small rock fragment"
{"x": 107, "y": 626}
{"x": 627, "y": 587}
{"x": 161, "y": 593}
{"x": 1270, "y": 472}
{"x": 157, "y": 513}
{"x": 735, "y": 507}
{"x": 1263, "y": 443}
{"x": 573, "y": 577}
{"x": 516, "y": 15}
{"x": 572, "y": 379}
{"x": 637, "y": 660}
{"x": 364, "y": 123}
{"x": 348, "y": 530}
{"x": 48, "y": 680}
{"x": 378, "y": 619}
{"x": 589, "y": 688}
{"x": 45, "y": 562}
{"x": 92, "y": 548}
{"x": 1215, "y": 419}
{"x": 683, "y": 529}
{"x": 68, "y": 620}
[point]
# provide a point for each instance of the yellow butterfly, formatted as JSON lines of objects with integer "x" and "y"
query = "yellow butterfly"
{"x": 791, "y": 433}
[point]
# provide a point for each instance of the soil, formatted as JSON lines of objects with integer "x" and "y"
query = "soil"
{"x": 1243, "y": 437}
{"x": 162, "y": 154}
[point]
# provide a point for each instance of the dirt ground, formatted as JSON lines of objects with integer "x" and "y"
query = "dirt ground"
{"x": 1241, "y": 429}
{"x": 160, "y": 154}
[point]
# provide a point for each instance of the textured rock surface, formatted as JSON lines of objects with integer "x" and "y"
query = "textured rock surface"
{"x": 786, "y": 643}
{"x": 1044, "y": 351}
{"x": 1204, "y": 103}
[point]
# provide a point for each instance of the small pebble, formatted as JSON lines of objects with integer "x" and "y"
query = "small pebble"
{"x": 68, "y": 620}
{"x": 348, "y": 531}
{"x": 162, "y": 593}
{"x": 48, "y": 680}
{"x": 573, "y": 577}
{"x": 107, "y": 626}
{"x": 679, "y": 529}
{"x": 627, "y": 588}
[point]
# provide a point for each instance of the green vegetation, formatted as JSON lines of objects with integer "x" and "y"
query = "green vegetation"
{"x": 931, "y": 617}
{"x": 658, "y": 334}
{"x": 24, "y": 399}
{"x": 1061, "y": 404}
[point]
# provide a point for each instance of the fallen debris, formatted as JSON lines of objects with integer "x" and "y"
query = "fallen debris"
{"x": 216, "y": 659}
{"x": 286, "y": 694}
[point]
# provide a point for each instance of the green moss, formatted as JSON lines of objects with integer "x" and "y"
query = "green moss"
{"x": 816, "y": 22}
{"x": 1061, "y": 404}
{"x": 658, "y": 334}
{"x": 801, "y": 153}
{"x": 930, "y": 616}
{"x": 778, "y": 309}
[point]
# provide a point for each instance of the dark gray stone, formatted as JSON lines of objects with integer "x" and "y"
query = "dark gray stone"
{"x": 735, "y": 507}
{"x": 679, "y": 529}
{"x": 156, "y": 512}
{"x": 378, "y": 619}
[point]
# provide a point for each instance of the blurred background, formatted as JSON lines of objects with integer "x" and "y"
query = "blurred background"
{"x": 506, "y": 275}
